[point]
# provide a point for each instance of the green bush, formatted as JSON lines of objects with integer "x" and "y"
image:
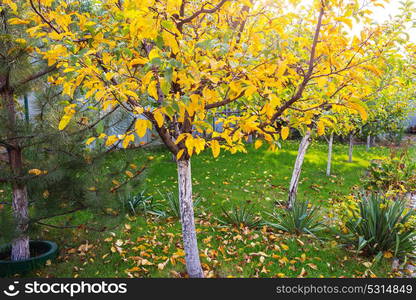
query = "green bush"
{"x": 394, "y": 175}
{"x": 170, "y": 206}
{"x": 241, "y": 216}
{"x": 300, "y": 219}
{"x": 140, "y": 204}
{"x": 381, "y": 225}
{"x": 144, "y": 204}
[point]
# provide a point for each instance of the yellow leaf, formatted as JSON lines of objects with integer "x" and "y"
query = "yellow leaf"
{"x": 180, "y": 138}
{"x": 108, "y": 76}
{"x": 285, "y": 132}
{"x": 146, "y": 80}
{"x": 139, "y": 61}
{"x": 69, "y": 112}
{"x": 12, "y": 5}
{"x": 346, "y": 21}
{"x": 35, "y": 172}
{"x": 152, "y": 90}
{"x": 159, "y": 118}
{"x": 130, "y": 174}
{"x": 154, "y": 53}
{"x": 281, "y": 69}
{"x": 189, "y": 144}
{"x": 360, "y": 109}
{"x": 250, "y": 91}
{"x": 373, "y": 69}
{"x": 180, "y": 252}
{"x": 274, "y": 100}
{"x": 170, "y": 41}
{"x": 64, "y": 122}
{"x": 90, "y": 140}
{"x": 20, "y": 41}
{"x": 134, "y": 269}
{"x": 321, "y": 127}
{"x": 111, "y": 140}
{"x": 258, "y": 144}
{"x": 127, "y": 140}
{"x": 141, "y": 126}
{"x": 215, "y": 147}
{"x": 284, "y": 246}
{"x": 17, "y": 21}
{"x": 179, "y": 154}
{"x": 138, "y": 110}
{"x": 388, "y": 254}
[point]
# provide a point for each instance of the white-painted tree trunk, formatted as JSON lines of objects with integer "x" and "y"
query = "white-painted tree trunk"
{"x": 294, "y": 182}
{"x": 193, "y": 264}
{"x": 351, "y": 147}
{"x": 329, "y": 162}
{"x": 368, "y": 142}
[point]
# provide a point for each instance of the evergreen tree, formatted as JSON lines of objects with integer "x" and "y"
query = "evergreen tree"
{"x": 48, "y": 172}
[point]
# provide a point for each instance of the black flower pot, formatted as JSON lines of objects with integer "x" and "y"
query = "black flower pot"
{"x": 44, "y": 251}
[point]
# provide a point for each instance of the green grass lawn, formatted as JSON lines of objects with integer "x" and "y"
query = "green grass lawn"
{"x": 145, "y": 247}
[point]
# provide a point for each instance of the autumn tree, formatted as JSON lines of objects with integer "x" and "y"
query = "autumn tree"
{"x": 18, "y": 69}
{"x": 327, "y": 71}
{"x": 50, "y": 173}
{"x": 178, "y": 62}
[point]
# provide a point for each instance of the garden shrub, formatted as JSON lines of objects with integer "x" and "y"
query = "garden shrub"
{"x": 241, "y": 216}
{"x": 378, "y": 225}
{"x": 395, "y": 175}
{"x": 139, "y": 203}
{"x": 300, "y": 219}
{"x": 170, "y": 204}
{"x": 143, "y": 204}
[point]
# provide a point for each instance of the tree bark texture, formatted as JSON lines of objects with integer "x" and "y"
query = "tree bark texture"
{"x": 368, "y": 142}
{"x": 193, "y": 264}
{"x": 294, "y": 182}
{"x": 329, "y": 162}
{"x": 20, "y": 245}
{"x": 351, "y": 147}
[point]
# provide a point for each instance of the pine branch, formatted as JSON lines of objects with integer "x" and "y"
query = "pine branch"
{"x": 82, "y": 226}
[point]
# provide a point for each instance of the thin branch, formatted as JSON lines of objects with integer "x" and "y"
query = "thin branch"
{"x": 308, "y": 75}
{"x": 81, "y": 226}
{"x": 199, "y": 12}
{"x": 36, "y": 76}
{"x": 43, "y": 18}
{"x": 59, "y": 214}
{"x": 223, "y": 102}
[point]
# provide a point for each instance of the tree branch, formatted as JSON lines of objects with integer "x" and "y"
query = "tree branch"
{"x": 223, "y": 102}
{"x": 36, "y": 76}
{"x": 199, "y": 12}
{"x": 307, "y": 76}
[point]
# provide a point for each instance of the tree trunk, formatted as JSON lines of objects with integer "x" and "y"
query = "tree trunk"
{"x": 368, "y": 142}
{"x": 20, "y": 245}
{"x": 328, "y": 165}
{"x": 294, "y": 182}
{"x": 351, "y": 146}
{"x": 193, "y": 264}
